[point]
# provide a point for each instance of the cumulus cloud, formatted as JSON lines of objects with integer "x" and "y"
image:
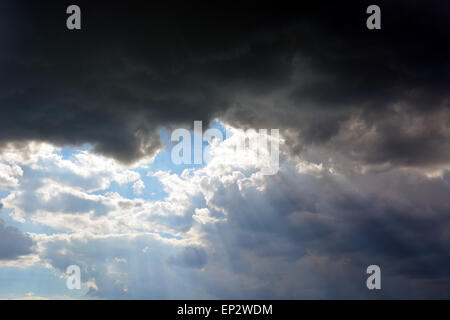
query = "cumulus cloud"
{"x": 13, "y": 242}
{"x": 309, "y": 231}
{"x": 138, "y": 186}
{"x": 225, "y": 230}
{"x": 9, "y": 175}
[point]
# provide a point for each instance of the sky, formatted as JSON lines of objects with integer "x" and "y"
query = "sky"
{"x": 87, "y": 176}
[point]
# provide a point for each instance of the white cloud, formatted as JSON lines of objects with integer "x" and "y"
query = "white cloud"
{"x": 9, "y": 175}
{"x": 138, "y": 186}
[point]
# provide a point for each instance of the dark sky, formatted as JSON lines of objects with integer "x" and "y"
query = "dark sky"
{"x": 308, "y": 67}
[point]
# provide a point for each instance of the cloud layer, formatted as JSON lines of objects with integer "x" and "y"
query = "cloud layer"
{"x": 312, "y": 69}
{"x": 227, "y": 231}
{"x": 364, "y": 164}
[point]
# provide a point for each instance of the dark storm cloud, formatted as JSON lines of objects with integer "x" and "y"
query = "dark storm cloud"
{"x": 309, "y": 68}
{"x": 13, "y": 243}
{"x": 297, "y": 218}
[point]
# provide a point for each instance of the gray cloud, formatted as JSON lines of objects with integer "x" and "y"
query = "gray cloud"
{"x": 302, "y": 236}
{"x": 13, "y": 243}
{"x": 329, "y": 229}
{"x": 190, "y": 257}
{"x": 305, "y": 68}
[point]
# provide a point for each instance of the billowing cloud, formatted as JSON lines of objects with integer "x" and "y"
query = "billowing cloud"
{"x": 227, "y": 231}
{"x": 313, "y": 70}
{"x": 13, "y": 242}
